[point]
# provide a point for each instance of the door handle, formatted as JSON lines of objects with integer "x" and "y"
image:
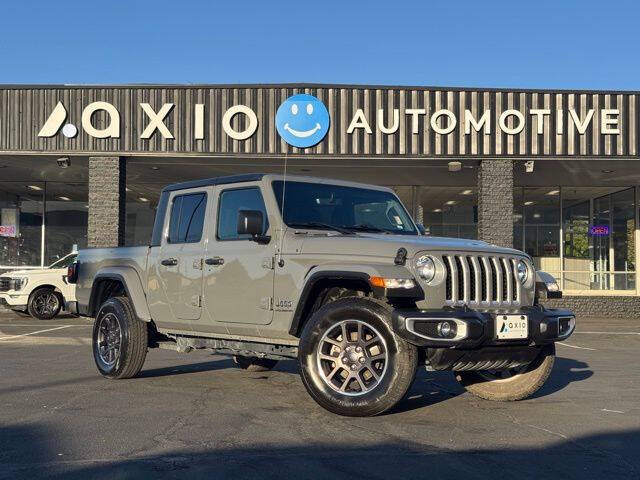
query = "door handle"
{"x": 214, "y": 261}
{"x": 170, "y": 262}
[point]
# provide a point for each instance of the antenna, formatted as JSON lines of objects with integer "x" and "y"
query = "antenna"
{"x": 282, "y": 227}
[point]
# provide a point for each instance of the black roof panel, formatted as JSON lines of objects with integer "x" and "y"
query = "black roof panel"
{"x": 207, "y": 182}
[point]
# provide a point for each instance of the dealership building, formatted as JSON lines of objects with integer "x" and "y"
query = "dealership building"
{"x": 553, "y": 173}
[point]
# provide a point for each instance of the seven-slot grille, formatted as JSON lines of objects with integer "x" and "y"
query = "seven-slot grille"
{"x": 482, "y": 281}
{"x": 5, "y": 284}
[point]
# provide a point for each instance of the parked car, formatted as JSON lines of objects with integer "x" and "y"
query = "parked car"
{"x": 41, "y": 292}
{"x": 334, "y": 274}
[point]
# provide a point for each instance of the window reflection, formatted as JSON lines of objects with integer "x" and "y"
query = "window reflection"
{"x": 448, "y": 211}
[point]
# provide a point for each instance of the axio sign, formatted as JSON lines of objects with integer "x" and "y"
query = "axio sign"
{"x": 303, "y": 121}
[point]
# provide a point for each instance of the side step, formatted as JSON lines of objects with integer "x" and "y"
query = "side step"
{"x": 185, "y": 344}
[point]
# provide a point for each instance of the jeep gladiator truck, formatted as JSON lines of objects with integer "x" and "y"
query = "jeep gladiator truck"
{"x": 334, "y": 274}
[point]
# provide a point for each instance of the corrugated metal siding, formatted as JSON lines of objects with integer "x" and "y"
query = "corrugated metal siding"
{"x": 23, "y": 111}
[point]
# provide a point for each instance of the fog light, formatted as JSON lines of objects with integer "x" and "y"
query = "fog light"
{"x": 446, "y": 329}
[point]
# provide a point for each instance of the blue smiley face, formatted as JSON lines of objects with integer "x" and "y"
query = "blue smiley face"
{"x": 302, "y": 120}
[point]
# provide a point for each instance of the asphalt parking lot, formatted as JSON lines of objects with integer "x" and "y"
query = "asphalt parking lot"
{"x": 196, "y": 415}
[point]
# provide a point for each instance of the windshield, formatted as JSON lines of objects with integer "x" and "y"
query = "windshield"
{"x": 64, "y": 262}
{"x": 322, "y": 206}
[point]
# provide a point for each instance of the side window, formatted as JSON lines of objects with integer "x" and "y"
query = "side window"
{"x": 231, "y": 202}
{"x": 187, "y": 218}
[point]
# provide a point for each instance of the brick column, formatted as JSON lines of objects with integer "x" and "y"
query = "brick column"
{"x": 495, "y": 202}
{"x": 107, "y": 201}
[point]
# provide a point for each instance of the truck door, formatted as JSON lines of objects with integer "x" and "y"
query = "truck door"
{"x": 178, "y": 263}
{"x": 239, "y": 274}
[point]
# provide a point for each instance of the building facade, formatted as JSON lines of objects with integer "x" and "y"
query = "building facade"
{"x": 554, "y": 173}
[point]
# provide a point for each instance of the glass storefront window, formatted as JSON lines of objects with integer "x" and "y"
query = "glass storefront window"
{"x": 66, "y": 217}
{"x": 21, "y": 208}
{"x": 537, "y": 226}
{"x": 448, "y": 211}
{"x": 599, "y": 239}
{"x": 142, "y": 201}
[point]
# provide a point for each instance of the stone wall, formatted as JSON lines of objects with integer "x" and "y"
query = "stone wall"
{"x": 600, "y": 306}
{"x": 495, "y": 202}
{"x": 107, "y": 201}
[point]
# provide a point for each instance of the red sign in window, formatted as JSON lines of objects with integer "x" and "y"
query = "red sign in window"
{"x": 599, "y": 230}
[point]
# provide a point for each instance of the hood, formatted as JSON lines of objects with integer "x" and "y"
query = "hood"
{"x": 385, "y": 245}
{"x": 29, "y": 273}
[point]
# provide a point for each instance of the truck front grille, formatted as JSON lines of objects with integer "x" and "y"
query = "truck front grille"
{"x": 5, "y": 284}
{"x": 482, "y": 281}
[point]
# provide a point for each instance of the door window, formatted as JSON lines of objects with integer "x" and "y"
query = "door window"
{"x": 231, "y": 202}
{"x": 187, "y": 218}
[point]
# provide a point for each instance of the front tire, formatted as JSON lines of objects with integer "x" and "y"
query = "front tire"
{"x": 44, "y": 303}
{"x": 119, "y": 340}
{"x": 351, "y": 362}
{"x": 510, "y": 386}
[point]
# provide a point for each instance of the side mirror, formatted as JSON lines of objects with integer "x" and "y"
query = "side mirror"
{"x": 421, "y": 229}
{"x": 250, "y": 222}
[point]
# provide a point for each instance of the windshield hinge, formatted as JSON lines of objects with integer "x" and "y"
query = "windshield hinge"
{"x": 266, "y": 303}
{"x": 269, "y": 263}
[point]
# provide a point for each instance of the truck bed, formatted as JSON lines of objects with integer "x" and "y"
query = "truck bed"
{"x": 93, "y": 259}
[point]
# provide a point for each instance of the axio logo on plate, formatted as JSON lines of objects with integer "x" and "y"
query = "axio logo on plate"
{"x": 302, "y": 120}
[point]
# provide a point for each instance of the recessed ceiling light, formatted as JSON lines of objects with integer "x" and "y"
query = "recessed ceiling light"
{"x": 127, "y": 189}
{"x": 607, "y": 171}
{"x": 553, "y": 192}
{"x": 450, "y": 202}
{"x": 437, "y": 210}
{"x": 536, "y": 215}
{"x": 466, "y": 192}
{"x": 143, "y": 199}
{"x": 155, "y": 168}
{"x": 66, "y": 199}
{"x": 528, "y": 203}
{"x": 35, "y": 187}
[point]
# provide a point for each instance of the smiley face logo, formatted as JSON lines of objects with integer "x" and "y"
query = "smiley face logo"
{"x": 302, "y": 120}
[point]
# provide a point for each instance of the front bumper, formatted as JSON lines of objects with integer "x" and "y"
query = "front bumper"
{"x": 476, "y": 329}
{"x": 14, "y": 300}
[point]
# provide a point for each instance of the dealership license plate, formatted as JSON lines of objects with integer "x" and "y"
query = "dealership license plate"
{"x": 512, "y": 327}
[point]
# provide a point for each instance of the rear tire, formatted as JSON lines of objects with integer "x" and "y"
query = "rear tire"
{"x": 519, "y": 386}
{"x": 119, "y": 340}
{"x": 44, "y": 303}
{"x": 351, "y": 362}
{"x": 254, "y": 364}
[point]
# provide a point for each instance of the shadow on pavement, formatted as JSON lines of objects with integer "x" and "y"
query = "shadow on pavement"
{"x": 29, "y": 452}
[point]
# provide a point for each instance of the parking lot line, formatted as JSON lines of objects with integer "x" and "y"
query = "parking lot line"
{"x": 36, "y": 332}
{"x": 576, "y": 346}
{"x": 610, "y": 333}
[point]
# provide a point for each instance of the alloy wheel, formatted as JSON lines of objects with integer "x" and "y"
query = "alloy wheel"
{"x": 109, "y": 339}
{"x": 352, "y": 357}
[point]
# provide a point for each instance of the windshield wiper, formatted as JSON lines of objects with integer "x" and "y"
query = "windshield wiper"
{"x": 318, "y": 226}
{"x": 361, "y": 227}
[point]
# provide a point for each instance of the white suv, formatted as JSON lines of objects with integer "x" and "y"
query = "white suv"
{"x": 40, "y": 292}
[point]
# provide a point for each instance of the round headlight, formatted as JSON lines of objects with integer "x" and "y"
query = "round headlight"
{"x": 523, "y": 271}
{"x": 426, "y": 268}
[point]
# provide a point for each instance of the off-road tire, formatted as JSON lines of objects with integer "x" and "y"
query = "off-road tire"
{"x": 518, "y": 387}
{"x": 399, "y": 373}
{"x": 254, "y": 364}
{"x": 133, "y": 340}
{"x": 37, "y": 294}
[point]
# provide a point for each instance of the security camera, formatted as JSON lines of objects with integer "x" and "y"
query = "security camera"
{"x": 63, "y": 162}
{"x": 528, "y": 166}
{"x": 455, "y": 166}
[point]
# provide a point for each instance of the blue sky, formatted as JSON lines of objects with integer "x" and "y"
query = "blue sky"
{"x": 543, "y": 44}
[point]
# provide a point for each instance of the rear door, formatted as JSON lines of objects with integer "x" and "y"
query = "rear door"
{"x": 179, "y": 260}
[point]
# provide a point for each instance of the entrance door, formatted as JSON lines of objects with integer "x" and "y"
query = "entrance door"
{"x": 239, "y": 272}
{"x": 180, "y": 258}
